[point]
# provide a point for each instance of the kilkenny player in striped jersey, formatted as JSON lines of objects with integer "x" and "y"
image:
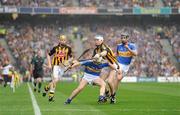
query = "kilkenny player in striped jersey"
{"x": 62, "y": 54}
{"x": 103, "y": 51}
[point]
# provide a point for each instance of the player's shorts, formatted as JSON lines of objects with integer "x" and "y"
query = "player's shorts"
{"x": 58, "y": 72}
{"x": 89, "y": 78}
{"x": 7, "y": 78}
{"x": 37, "y": 74}
{"x": 124, "y": 68}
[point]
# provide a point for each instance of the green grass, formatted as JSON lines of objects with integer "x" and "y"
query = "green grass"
{"x": 132, "y": 99}
{"x": 18, "y": 103}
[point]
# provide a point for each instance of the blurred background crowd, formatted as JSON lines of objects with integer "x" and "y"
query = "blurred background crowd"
{"x": 24, "y": 39}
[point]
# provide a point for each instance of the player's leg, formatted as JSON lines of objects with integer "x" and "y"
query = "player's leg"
{"x": 35, "y": 80}
{"x": 75, "y": 92}
{"x": 12, "y": 83}
{"x": 52, "y": 87}
{"x": 100, "y": 82}
{"x": 5, "y": 80}
{"x": 46, "y": 89}
{"x": 39, "y": 81}
{"x": 35, "y": 84}
{"x": 119, "y": 77}
{"x": 104, "y": 76}
{"x": 57, "y": 74}
{"x": 47, "y": 86}
{"x": 111, "y": 83}
{"x": 117, "y": 81}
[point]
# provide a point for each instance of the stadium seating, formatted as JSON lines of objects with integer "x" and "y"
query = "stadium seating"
{"x": 3, "y": 56}
{"x": 151, "y": 60}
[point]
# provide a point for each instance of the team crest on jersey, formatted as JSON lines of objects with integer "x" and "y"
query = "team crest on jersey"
{"x": 61, "y": 54}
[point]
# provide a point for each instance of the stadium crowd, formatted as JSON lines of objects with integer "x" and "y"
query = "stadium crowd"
{"x": 92, "y": 3}
{"x": 151, "y": 59}
{"x": 3, "y": 56}
{"x": 25, "y": 39}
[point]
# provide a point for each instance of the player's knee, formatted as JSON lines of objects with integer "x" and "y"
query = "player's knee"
{"x": 110, "y": 81}
{"x": 119, "y": 77}
{"x": 55, "y": 81}
{"x": 103, "y": 84}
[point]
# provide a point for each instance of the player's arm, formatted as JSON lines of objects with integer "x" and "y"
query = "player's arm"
{"x": 133, "y": 51}
{"x": 11, "y": 68}
{"x": 75, "y": 63}
{"x": 44, "y": 65}
{"x": 31, "y": 66}
{"x": 78, "y": 63}
{"x": 115, "y": 67}
{"x": 49, "y": 61}
{"x": 101, "y": 54}
{"x": 49, "y": 57}
{"x": 31, "y": 69}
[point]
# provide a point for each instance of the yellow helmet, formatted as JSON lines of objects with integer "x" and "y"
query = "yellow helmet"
{"x": 62, "y": 37}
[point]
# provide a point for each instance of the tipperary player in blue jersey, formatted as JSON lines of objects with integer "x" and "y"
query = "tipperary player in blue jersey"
{"x": 91, "y": 75}
{"x": 125, "y": 52}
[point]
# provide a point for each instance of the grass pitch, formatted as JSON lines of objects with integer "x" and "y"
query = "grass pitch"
{"x": 132, "y": 99}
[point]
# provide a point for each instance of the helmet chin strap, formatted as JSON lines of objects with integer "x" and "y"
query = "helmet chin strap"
{"x": 62, "y": 43}
{"x": 124, "y": 43}
{"x": 99, "y": 45}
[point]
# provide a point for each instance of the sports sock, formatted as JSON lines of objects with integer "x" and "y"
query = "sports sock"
{"x": 46, "y": 88}
{"x": 35, "y": 84}
{"x": 39, "y": 85}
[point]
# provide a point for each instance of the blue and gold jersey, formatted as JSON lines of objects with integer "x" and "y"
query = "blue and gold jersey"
{"x": 123, "y": 55}
{"x": 93, "y": 68}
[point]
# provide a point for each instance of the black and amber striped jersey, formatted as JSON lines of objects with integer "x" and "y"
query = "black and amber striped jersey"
{"x": 110, "y": 55}
{"x": 61, "y": 53}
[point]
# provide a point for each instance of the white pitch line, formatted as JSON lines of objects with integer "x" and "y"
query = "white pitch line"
{"x": 34, "y": 102}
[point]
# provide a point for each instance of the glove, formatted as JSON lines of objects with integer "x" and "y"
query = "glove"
{"x": 99, "y": 60}
{"x": 66, "y": 63}
{"x": 96, "y": 56}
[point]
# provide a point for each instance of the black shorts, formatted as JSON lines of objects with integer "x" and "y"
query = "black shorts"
{"x": 37, "y": 74}
{"x": 7, "y": 78}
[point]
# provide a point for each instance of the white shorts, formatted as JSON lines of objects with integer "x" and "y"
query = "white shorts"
{"x": 58, "y": 72}
{"x": 89, "y": 78}
{"x": 124, "y": 68}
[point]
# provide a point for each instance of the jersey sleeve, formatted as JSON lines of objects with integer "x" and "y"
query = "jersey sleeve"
{"x": 133, "y": 47}
{"x": 10, "y": 66}
{"x": 104, "y": 48}
{"x": 85, "y": 63}
{"x": 70, "y": 52}
{"x": 117, "y": 49}
{"x": 94, "y": 53}
{"x": 104, "y": 65}
{"x": 52, "y": 51}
